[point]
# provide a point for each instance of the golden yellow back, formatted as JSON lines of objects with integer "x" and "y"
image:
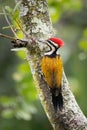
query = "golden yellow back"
{"x": 52, "y": 69}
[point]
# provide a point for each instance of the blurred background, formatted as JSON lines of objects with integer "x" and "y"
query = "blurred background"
{"x": 20, "y": 107}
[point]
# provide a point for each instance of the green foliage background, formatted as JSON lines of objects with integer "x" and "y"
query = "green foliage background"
{"x": 20, "y": 107}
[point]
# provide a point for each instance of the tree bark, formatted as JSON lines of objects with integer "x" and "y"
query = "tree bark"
{"x": 35, "y": 17}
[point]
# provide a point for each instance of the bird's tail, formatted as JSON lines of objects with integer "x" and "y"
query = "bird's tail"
{"x": 57, "y": 98}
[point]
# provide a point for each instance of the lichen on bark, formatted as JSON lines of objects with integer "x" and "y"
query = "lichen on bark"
{"x": 35, "y": 17}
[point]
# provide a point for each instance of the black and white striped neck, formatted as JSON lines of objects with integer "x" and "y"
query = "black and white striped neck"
{"x": 53, "y": 49}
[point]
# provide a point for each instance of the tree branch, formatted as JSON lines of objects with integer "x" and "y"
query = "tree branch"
{"x": 35, "y": 17}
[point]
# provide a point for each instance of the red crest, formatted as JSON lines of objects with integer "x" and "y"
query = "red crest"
{"x": 58, "y": 41}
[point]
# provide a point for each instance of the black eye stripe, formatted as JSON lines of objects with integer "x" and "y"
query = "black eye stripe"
{"x": 53, "y": 44}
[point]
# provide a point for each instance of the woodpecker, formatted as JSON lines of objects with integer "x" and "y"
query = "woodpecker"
{"x": 52, "y": 69}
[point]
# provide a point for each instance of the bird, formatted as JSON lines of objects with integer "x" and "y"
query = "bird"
{"x": 52, "y": 69}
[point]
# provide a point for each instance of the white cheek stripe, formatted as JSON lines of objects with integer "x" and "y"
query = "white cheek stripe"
{"x": 52, "y": 49}
{"x": 50, "y": 52}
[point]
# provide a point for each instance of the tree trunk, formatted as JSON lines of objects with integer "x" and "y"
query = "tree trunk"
{"x": 35, "y": 17}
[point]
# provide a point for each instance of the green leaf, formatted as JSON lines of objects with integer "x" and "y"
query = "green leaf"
{"x": 8, "y": 9}
{"x": 16, "y": 14}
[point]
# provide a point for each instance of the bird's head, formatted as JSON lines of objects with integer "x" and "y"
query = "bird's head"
{"x": 54, "y": 44}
